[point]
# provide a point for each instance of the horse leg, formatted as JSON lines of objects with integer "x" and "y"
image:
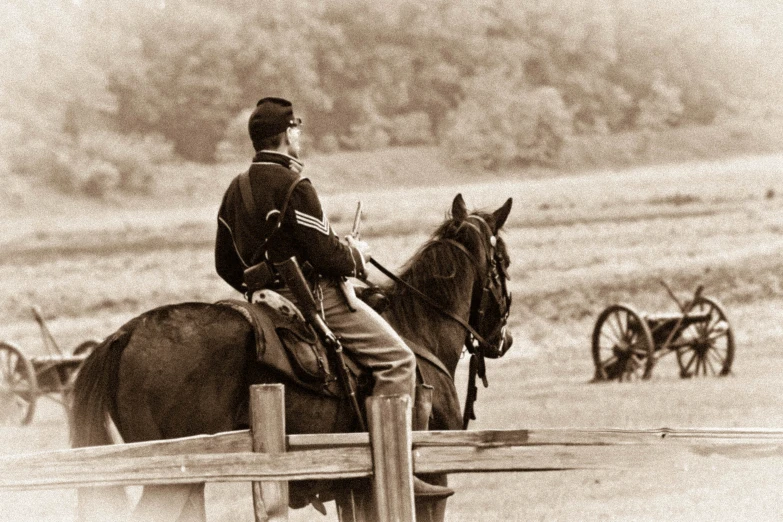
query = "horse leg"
{"x": 173, "y": 503}
{"x": 101, "y": 504}
{"x": 432, "y": 510}
{"x": 355, "y": 505}
{"x": 346, "y": 511}
{"x": 195, "y": 508}
{"x": 164, "y": 503}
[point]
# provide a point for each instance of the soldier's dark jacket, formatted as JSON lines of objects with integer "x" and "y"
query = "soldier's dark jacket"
{"x": 305, "y": 231}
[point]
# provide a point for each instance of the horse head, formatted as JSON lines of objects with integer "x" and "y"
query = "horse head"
{"x": 457, "y": 283}
{"x": 491, "y": 297}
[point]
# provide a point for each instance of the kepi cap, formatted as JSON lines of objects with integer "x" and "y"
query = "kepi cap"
{"x": 270, "y": 117}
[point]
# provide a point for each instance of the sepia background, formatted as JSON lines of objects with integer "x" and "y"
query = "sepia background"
{"x": 640, "y": 141}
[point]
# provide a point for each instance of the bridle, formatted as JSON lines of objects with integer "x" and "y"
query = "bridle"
{"x": 493, "y": 288}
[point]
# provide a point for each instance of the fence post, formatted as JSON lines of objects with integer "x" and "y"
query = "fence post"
{"x": 267, "y": 426}
{"x": 392, "y": 442}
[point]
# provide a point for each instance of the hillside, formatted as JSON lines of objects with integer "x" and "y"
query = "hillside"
{"x": 496, "y": 85}
{"x": 191, "y": 185}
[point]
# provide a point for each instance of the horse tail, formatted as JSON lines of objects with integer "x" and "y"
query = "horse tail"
{"x": 93, "y": 391}
{"x": 92, "y": 398}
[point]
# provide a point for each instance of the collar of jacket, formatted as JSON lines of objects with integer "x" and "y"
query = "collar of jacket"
{"x": 289, "y": 162}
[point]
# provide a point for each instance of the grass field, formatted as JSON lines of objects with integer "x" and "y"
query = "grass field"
{"x": 578, "y": 243}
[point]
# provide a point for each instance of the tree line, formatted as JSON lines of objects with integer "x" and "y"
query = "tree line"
{"x": 96, "y": 90}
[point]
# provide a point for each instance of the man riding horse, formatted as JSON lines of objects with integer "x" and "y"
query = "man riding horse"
{"x": 270, "y": 214}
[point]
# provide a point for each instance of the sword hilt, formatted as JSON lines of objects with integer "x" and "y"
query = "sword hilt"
{"x": 356, "y": 229}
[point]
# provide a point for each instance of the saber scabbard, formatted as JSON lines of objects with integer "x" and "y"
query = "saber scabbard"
{"x": 294, "y": 278}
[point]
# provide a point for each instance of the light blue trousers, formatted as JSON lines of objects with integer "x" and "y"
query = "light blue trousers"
{"x": 369, "y": 340}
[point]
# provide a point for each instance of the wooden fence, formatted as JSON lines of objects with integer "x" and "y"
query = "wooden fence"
{"x": 388, "y": 454}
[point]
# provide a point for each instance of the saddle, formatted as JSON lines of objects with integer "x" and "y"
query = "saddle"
{"x": 286, "y": 343}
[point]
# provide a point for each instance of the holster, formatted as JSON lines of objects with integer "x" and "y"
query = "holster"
{"x": 258, "y": 277}
{"x": 262, "y": 275}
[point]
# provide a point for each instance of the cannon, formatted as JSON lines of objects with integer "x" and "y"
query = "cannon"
{"x": 23, "y": 380}
{"x": 626, "y": 344}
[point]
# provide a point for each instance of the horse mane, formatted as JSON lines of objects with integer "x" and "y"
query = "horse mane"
{"x": 442, "y": 272}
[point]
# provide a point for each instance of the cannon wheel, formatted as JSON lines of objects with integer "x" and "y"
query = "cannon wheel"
{"x": 707, "y": 347}
{"x": 18, "y": 386}
{"x": 623, "y": 348}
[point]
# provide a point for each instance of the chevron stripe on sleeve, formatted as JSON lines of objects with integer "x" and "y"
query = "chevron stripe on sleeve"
{"x": 306, "y": 220}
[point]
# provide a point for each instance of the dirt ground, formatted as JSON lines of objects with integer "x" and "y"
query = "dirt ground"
{"x": 578, "y": 243}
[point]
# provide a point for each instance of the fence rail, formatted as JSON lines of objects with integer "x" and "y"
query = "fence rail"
{"x": 228, "y": 457}
{"x": 386, "y": 454}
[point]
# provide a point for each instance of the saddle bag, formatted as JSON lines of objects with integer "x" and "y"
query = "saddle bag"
{"x": 285, "y": 342}
{"x": 306, "y": 355}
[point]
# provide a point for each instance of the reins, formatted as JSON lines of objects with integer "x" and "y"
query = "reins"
{"x": 477, "y": 367}
{"x": 474, "y": 340}
{"x": 427, "y": 299}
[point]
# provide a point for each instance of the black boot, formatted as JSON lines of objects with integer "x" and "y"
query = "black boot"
{"x": 423, "y": 489}
{"x": 422, "y": 407}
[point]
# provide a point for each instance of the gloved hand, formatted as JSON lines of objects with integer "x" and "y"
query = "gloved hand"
{"x": 361, "y": 246}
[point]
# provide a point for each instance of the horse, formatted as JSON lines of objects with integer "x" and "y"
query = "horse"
{"x": 185, "y": 369}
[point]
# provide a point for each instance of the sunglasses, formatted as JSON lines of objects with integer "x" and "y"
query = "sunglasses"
{"x": 296, "y": 122}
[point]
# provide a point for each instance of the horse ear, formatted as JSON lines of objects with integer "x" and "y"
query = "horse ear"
{"x": 501, "y": 214}
{"x": 458, "y": 209}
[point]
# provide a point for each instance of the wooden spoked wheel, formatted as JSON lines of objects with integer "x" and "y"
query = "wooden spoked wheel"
{"x": 623, "y": 348}
{"x": 707, "y": 347}
{"x": 18, "y": 386}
